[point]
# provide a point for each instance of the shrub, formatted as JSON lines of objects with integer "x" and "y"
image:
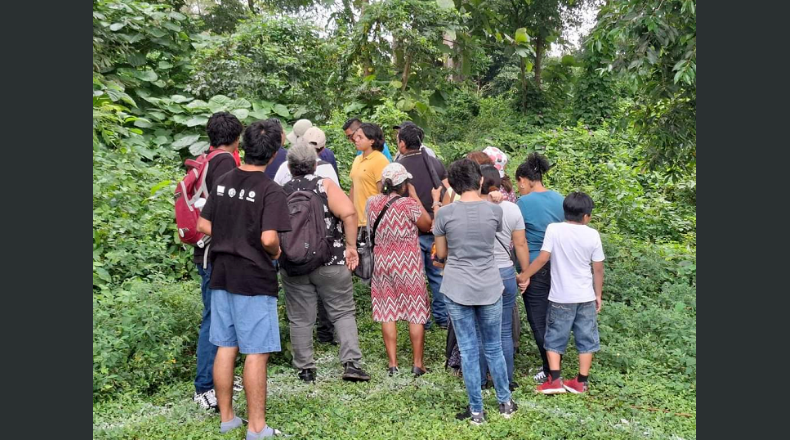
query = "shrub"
{"x": 144, "y": 334}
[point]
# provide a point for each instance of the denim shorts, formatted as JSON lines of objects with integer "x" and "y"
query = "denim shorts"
{"x": 247, "y": 322}
{"x": 579, "y": 317}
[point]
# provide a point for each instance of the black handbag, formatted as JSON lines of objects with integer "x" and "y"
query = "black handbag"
{"x": 365, "y": 243}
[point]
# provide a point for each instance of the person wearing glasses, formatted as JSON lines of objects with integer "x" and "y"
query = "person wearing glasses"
{"x": 351, "y": 126}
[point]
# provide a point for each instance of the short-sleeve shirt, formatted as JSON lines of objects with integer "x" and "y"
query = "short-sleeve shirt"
{"x": 415, "y": 164}
{"x": 365, "y": 173}
{"x": 322, "y": 169}
{"x": 279, "y": 158}
{"x": 329, "y": 157}
{"x": 242, "y": 206}
{"x": 539, "y": 210}
{"x": 471, "y": 276}
{"x": 385, "y": 151}
{"x": 219, "y": 165}
{"x": 511, "y": 221}
{"x": 573, "y": 247}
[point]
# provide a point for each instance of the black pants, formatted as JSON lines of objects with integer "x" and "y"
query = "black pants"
{"x": 536, "y": 302}
{"x": 325, "y": 329}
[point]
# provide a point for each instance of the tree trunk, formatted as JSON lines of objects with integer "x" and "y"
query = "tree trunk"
{"x": 367, "y": 62}
{"x": 541, "y": 41}
{"x": 251, "y": 4}
{"x": 523, "y": 76}
{"x": 406, "y": 69}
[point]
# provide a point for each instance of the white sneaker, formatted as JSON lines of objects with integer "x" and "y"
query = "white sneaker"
{"x": 207, "y": 400}
{"x": 540, "y": 377}
{"x": 238, "y": 383}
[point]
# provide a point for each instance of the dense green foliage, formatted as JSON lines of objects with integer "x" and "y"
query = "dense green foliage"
{"x": 614, "y": 118}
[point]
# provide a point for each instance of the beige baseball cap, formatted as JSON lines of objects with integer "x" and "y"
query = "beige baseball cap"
{"x": 299, "y": 128}
{"x": 315, "y": 137}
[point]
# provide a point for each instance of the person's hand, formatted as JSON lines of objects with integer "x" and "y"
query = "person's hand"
{"x": 278, "y": 254}
{"x": 352, "y": 257}
{"x": 523, "y": 281}
{"x": 436, "y": 194}
{"x": 598, "y": 304}
{"x": 496, "y": 196}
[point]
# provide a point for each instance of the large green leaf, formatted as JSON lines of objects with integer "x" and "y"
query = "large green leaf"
{"x": 117, "y": 26}
{"x": 281, "y": 110}
{"x": 197, "y": 104}
{"x": 180, "y": 98}
{"x": 240, "y": 103}
{"x": 135, "y": 59}
{"x": 142, "y": 123}
{"x": 396, "y": 84}
{"x": 156, "y": 32}
{"x": 198, "y": 148}
{"x": 240, "y": 113}
{"x": 219, "y": 103}
{"x": 185, "y": 141}
{"x": 196, "y": 120}
{"x": 446, "y": 4}
{"x": 177, "y": 16}
{"x": 258, "y": 114}
{"x": 145, "y": 75}
{"x": 521, "y": 36}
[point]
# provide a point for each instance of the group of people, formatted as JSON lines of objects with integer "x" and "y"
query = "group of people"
{"x": 422, "y": 220}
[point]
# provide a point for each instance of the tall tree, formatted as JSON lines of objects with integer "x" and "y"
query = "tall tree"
{"x": 653, "y": 44}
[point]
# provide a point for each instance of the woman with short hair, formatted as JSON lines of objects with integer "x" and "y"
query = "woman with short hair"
{"x": 465, "y": 233}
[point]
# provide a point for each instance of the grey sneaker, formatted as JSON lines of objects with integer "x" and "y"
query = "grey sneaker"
{"x": 507, "y": 409}
{"x": 474, "y": 418}
{"x": 540, "y": 377}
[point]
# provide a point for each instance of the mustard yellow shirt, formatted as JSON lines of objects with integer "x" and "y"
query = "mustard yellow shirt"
{"x": 365, "y": 173}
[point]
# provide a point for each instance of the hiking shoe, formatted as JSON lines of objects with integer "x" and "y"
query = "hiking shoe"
{"x": 551, "y": 387}
{"x": 417, "y": 371}
{"x": 474, "y": 418}
{"x": 513, "y": 386}
{"x": 307, "y": 375}
{"x": 391, "y": 371}
{"x": 354, "y": 373}
{"x": 207, "y": 400}
{"x": 540, "y": 377}
{"x": 574, "y": 386}
{"x": 508, "y": 409}
{"x": 238, "y": 384}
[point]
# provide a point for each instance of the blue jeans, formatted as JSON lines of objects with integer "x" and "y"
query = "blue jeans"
{"x": 488, "y": 318}
{"x": 434, "y": 275}
{"x": 579, "y": 317}
{"x": 206, "y": 351}
{"x": 508, "y": 275}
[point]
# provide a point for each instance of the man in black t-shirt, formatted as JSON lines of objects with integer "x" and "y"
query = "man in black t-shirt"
{"x": 243, "y": 215}
{"x": 223, "y": 130}
{"x": 424, "y": 179}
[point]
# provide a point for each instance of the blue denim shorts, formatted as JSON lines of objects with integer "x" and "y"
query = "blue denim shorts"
{"x": 579, "y": 317}
{"x": 247, "y": 322}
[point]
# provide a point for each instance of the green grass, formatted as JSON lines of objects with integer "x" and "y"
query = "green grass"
{"x": 634, "y": 393}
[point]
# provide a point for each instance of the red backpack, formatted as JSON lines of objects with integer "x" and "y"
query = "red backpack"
{"x": 191, "y": 188}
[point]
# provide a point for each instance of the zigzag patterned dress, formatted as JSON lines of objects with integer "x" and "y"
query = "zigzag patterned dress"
{"x": 398, "y": 284}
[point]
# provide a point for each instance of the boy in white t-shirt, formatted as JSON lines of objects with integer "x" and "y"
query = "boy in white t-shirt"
{"x": 575, "y": 295}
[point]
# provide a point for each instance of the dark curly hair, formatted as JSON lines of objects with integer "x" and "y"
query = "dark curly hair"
{"x": 533, "y": 168}
{"x": 223, "y": 128}
{"x": 262, "y": 139}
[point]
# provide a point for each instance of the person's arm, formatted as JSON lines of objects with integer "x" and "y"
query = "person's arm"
{"x": 441, "y": 246}
{"x": 342, "y": 207}
{"x": 598, "y": 284}
{"x": 204, "y": 226}
{"x": 446, "y": 184}
{"x": 424, "y": 221}
{"x": 537, "y": 264}
{"x": 271, "y": 243}
{"x": 521, "y": 247}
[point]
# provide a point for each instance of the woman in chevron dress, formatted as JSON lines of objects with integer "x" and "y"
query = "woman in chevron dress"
{"x": 398, "y": 284}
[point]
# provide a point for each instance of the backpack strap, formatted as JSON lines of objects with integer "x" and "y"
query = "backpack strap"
{"x": 203, "y": 189}
{"x": 434, "y": 175}
{"x": 378, "y": 220}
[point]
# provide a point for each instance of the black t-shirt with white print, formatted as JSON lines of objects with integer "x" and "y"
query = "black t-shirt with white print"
{"x": 219, "y": 165}
{"x": 242, "y": 205}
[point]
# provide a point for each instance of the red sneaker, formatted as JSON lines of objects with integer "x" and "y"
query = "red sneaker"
{"x": 574, "y": 386}
{"x": 551, "y": 387}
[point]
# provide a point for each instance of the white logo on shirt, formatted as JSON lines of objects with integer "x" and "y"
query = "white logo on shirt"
{"x": 241, "y": 194}
{"x": 220, "y": 190}
{"x": 250, "y": 196}
{"x": 232, "y": 192}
